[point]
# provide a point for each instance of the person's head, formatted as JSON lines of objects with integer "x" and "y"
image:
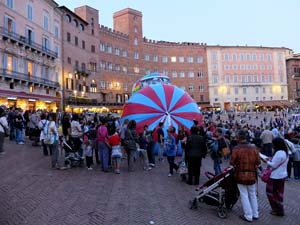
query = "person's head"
{"x": 131, "y": 124}
{"x": 218, "y": 132}
{"x": 52, "y": 117}
{"x": 241, "y": 135}
{"x": 75, "y": 117}
{"x": 146, "y": 127}
{"x": 161, "y": 124}
{"x": 194, "y": 130}
{"x": 43, "y": 116}
{"x": 279, "y": 144}
{"x": 295, "y": 141}
{"x": 170, "y": 130}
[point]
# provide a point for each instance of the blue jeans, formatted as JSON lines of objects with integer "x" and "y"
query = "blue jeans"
{"x": 217, "y": 166}
{"x": 104, "y": 155}
{"x": 19, "y": 135}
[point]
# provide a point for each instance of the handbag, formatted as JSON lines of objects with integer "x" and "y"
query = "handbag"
{"x": 226, "y": 151}
{"x": 265, "y": 175}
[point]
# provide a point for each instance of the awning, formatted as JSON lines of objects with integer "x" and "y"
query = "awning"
{"x": 285, "y": 103}
{"x": 203, "y": 106}
{"x": 272, "y": 103}
{"x": 14, "y": 94}
{"x": 259, "y": 103}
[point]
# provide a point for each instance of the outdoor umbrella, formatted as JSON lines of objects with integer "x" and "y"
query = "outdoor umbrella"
{"x": 161, "y": 103}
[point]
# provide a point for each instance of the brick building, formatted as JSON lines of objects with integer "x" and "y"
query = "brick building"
{"x": 293, "y": 77}
{"x": 115, "y": 58}
{"x": 29, "y": 54}
{"x": 245, "y": 78}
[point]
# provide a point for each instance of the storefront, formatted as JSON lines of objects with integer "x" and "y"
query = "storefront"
{"x": 28, "y": 101}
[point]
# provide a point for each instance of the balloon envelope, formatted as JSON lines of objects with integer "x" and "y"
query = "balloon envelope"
{"x": 161, "y": 103}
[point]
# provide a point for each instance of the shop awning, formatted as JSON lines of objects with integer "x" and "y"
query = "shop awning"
{"x": 14, "y": 94}
{"x": 259, "y": 103}
{"x": 203, "y": 106}
{"x": 285, "y": 103}
{"x": 272, "y": 103}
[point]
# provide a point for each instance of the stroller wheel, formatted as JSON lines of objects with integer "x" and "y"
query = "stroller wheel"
{"x": 193, "y": 204}
{"x": 222, "y": 213}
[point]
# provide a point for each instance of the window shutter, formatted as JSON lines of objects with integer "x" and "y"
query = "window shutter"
{"x": 5, "y": 61}
{"x": 14, "y": 64}
{"x": 14, "y": 26}
{"x": 6, "y": 23}
{"x": 25, "y": 66}
{"x": 34, "y": 69}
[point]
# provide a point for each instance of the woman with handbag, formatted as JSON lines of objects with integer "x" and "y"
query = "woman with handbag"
{"x": 275, "y": 184}
{"x": 52, "y": 130}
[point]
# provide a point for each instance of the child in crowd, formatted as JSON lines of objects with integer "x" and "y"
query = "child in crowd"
{"x": 87, "y": 145}
{"x": 142, "y": 150}
{"x": 116, "y": 155}
{"x": 170, "y": 149}
{"x": 89, "y": 154}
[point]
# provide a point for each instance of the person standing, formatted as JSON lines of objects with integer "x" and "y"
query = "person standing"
{"x": 76, "y": 133}
{"x": 130, "y": 143}
{"x": 195, "y": 151}
{"x": 170, "y": 149}
{"x": 102, "y": 137}
{"x": 275, "y": 185}
{"x": 52, "y": 129}
{"x": 245, "y": 159}
{"x": 266, "y": 139}
{"x": 43, "y": 128}
{"x": 3, "y": 126}
{"x": 160, "y": 140}
{"x": 19, "y": 125}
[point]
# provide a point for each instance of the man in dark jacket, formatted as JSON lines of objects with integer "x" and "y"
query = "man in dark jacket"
{"x": 195, "y": 151}
{"x": 245, "y": 159}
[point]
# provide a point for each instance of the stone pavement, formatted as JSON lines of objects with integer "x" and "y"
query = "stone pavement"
{"x": 32, "y": 193}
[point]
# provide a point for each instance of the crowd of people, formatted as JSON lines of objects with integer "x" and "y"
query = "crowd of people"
{"x": 102, "y": 141}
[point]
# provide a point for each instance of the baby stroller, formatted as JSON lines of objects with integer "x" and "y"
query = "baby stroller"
{"x": 220, "y": 191}
{"x": 72, "y": 158}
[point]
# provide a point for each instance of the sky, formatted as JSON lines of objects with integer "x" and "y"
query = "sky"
{"x": 270, "y": 23}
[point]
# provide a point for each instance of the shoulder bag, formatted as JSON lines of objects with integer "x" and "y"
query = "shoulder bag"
{"x": 266, "y": 173}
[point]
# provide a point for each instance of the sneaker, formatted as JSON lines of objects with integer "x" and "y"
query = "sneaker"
{"x": 152, "y": 165}
{"x": 90, "y": 168}
{"x": 117, "y": 171}
{"x": 21, "y": 143}
{"x": 2, "y": 153}
{"x": 169, "y": 175}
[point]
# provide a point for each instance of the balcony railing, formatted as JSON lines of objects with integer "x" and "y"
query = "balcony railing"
{"x": 81, "y": 71}
{"x": 26, "y": 78}
{"x": 27, "y": 42}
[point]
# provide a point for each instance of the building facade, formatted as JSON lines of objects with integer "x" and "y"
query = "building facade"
{"x": 30, "y": 54}
{"x": 245, "y": 78}
{"x": 293, "y": 77}
{"x": 115, "y": 58}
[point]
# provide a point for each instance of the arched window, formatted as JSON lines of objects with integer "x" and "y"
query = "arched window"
{"x": 75, "y": 22}
{"x": 81, "y": 27}
{"x": 68, "y": 18}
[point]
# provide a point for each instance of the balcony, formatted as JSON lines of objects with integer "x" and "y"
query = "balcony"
{"x": 81, "y": 71}
{"x": 27, "y": 43}
{"x": 24, "y": 78}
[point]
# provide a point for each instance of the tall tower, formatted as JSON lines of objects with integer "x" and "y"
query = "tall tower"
{"x": 129, "y": 21}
